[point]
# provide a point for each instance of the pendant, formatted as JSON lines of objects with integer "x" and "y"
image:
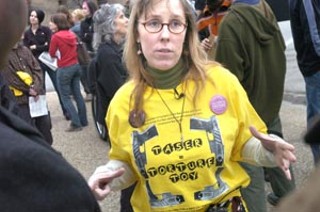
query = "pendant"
{"x": 137, "y": 118}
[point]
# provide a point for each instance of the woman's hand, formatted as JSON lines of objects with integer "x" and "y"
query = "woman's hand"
{"x": 282, "y": 151}
{"x": 33, "y": 47}
{"x": 206, "y": 44}
{"x": 99, "y": 181}
{"x": 33, "y": 92}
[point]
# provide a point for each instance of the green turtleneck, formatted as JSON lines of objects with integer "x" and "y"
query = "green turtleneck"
{"x": 169, "y": 78}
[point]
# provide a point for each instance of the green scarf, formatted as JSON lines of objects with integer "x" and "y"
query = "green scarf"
{"x": 169, "y": 78}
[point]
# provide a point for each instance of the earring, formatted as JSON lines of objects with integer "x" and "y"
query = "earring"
{"x": 139, "y": 48}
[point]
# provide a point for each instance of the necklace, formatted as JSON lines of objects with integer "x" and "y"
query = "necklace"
{"x": 179, "y": 121}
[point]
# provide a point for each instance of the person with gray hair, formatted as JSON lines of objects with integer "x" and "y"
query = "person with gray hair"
{"x": 110, "y": 26}
{"x": 110, "y": 29}
{"x": 104, "y": 24}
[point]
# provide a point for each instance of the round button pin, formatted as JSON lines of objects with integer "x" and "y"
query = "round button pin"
{"x": 218, "y": 104}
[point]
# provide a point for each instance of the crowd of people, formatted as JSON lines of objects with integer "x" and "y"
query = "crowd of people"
{"x": 59, "y": 38}
{"x": 189, "y": 97}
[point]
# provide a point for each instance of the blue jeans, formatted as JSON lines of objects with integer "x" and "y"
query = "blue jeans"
{"x": 53, "y": 76}
{"x": 68, "y": 81}
{"x": 313, "y": 107}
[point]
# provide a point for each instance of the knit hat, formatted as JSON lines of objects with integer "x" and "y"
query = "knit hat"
{"x": 40, "y": 15}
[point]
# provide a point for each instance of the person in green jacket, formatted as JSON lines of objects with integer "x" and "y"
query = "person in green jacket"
{"x": 251, "y": 46}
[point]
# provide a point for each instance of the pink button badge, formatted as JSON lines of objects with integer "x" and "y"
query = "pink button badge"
{"x": 218, "y": 104}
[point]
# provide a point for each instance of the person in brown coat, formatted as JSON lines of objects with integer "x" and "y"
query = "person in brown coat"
{"x": 24, "y": 76}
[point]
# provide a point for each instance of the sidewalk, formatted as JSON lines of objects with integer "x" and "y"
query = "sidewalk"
{"x": 83, "y": 149}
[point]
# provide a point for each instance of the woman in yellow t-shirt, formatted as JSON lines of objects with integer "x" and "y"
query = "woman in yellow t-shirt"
{"x": 182, "y": 123}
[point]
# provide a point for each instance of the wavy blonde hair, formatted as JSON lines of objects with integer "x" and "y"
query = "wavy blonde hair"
{"x": 193, "y": 54}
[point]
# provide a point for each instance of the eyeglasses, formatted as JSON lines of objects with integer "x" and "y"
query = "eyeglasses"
{"x": 155, "y": 26}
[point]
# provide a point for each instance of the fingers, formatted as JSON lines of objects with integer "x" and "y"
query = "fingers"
{"x": 287, "y": 151}
{"x": 257, "y": 134}
{"x": 287, "y": 173}
{"x": 285, "y": 154}
{"x": 286, "y": 146}
{"x": 290, "y": 156}
{"x": 109, "y": 173}
{"x": 102, "y": 177}
{"x": 283, "y": 151}
{"x": 286, "y": 157}
{"x": 99, "y": 181}
{"x": 206, "y": 44}
{"x": 271, "y": 142}
{"x": 101, "y": 193}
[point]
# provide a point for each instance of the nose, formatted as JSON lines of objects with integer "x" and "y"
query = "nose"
{"x": 165, "y": 33}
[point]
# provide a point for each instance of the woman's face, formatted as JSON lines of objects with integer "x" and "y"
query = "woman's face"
{"x": 163, "y": 49}
{"x": 85, "y": 8}
{"x": 53, "y": 27}
{"x": 33, "y": 18}
{"x": 121, "y": 24}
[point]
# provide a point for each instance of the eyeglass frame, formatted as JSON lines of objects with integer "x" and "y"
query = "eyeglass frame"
{"x": 162, "y": 24}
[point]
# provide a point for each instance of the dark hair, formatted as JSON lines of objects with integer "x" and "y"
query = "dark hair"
{"x": 61, "y": 21}
{"x": 93, "y": 7}
{"x": 40, "y": 15}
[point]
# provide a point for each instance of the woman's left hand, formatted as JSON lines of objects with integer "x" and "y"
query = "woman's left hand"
{"x": 282, "y": 150}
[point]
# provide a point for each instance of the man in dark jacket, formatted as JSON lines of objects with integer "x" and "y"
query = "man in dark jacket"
{"x": 33, "y": 176}
{"x": 305, "y": 27}
{"x": 251, "y": 46}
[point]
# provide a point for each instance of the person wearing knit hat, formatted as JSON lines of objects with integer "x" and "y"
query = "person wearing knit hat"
{"x": 40, "y": 15}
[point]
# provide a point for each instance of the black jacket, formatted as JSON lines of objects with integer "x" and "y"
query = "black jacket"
{"x": 86, "y": 32}
{"x": 110, "y": 75}
{"x": 33, "y": 176}
{"x": 41, "y": 39}
{"x": 305, "y": 25}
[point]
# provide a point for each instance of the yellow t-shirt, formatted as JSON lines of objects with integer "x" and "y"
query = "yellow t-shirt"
{"x": 191, "y": 168}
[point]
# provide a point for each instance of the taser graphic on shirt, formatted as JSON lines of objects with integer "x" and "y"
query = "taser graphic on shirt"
{"x": 211, "y": 129}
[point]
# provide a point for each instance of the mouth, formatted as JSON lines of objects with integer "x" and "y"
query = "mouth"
{"x": 163, "y": 50}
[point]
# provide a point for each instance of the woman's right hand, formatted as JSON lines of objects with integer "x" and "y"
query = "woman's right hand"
{"x": 100, "y": 179}
{"x": 206, "y": 44}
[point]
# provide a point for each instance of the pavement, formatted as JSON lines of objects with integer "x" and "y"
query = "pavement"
{"x": 85, "y": 151}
